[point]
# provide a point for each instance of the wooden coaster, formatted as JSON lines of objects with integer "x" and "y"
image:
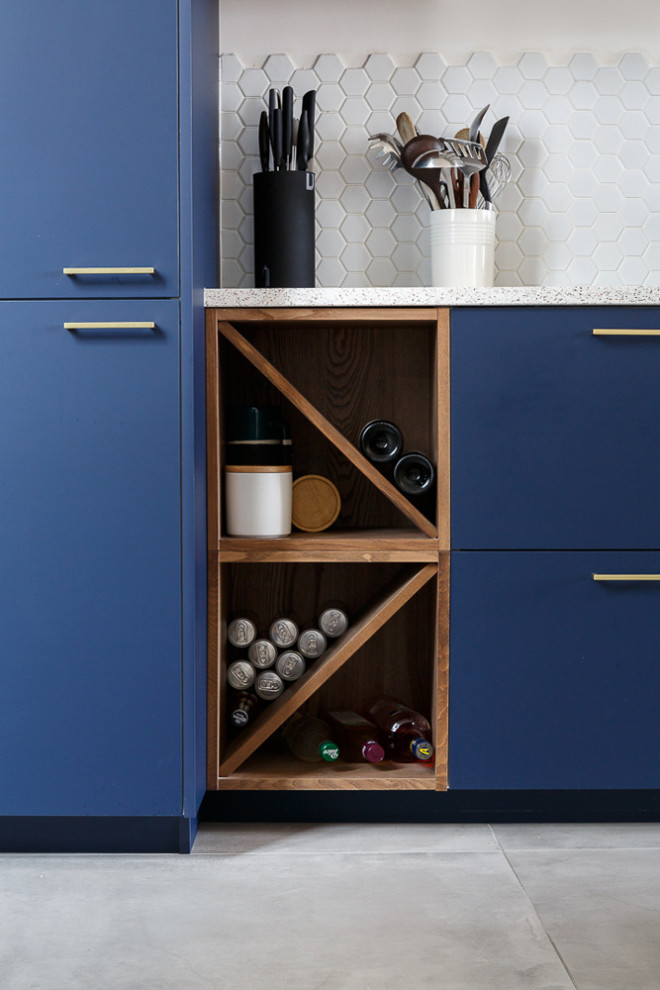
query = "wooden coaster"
{"x": 316, "y": 503}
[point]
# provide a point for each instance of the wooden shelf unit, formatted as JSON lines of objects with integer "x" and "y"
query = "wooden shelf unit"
{"x": 332, "y": 371}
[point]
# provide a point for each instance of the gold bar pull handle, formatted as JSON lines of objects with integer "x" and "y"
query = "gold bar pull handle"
{"x": 114, "y": 325}
{"x": 108, "y": 271}
{"x": 626, "y": 577}
{"x": 625, "y": 333}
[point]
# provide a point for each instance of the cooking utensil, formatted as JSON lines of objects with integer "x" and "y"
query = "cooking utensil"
{"x": 302, "y": 146}
{"x": 473, "y": 133}
{"x": 276, "y": 138}
{"x": 424, "y": 146}
{"x": 492, "y": 144}
{"x": 466, "y": 156}
{"x": 264, "y": 141}
{"x": 498, "y": 174}
{"x": 309, "y": 107}
{"x": 387, "y": 148}
{"x": 287, "y": 126}
{"x": 405, "y": 127}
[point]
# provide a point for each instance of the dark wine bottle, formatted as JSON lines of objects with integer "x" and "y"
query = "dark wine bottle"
{"x": 414, "y": 475}
{"x": 381, "y": 442}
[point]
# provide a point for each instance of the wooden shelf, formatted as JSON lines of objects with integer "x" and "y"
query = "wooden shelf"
{"x": 278, "y": 771}
{"x": 359, "y": 546}
{"x": 352, "y": 454}
{"x": 277, "y": 712}
{"x": 333, "y": 370}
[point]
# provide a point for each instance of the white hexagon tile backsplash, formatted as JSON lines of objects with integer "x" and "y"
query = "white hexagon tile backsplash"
{"x": 582, "y": 206}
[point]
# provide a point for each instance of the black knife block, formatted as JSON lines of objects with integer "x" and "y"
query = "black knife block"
{"x": 284, "y": 244}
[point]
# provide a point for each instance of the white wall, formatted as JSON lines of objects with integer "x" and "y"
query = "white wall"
{"x": 255, "y": 29}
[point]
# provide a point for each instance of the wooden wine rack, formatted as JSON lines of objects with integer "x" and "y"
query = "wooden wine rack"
{"x": 334, "y": 370}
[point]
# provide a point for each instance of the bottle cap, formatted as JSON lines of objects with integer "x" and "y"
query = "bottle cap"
{"x": 373, "y": 752}
{"x": 421, "y": 749}
{"x": 328, "y": 750}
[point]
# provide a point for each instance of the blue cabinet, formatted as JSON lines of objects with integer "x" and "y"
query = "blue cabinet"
{"x": 554, "y": 677}
{"x": 89, "y": 149}
{"x": 90, "y": 621}
{"x": 555, "y": 431}
{"x": 108, "y": 160}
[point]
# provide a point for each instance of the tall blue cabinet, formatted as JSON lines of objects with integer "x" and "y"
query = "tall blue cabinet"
{"x": 107, "y": 212}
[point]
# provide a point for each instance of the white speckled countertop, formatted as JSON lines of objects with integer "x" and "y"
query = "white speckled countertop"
{"x": 498, "y": 296}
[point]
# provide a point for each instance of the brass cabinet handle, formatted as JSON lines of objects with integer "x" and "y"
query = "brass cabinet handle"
{"x": 108, "y": 271}
{"x": 626, "y": 577}
{"x": 127, "y": 325}
{"x": 626, "y": 333}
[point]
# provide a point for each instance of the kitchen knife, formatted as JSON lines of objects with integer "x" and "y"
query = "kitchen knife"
{"x": 302, "y": 148}
{"x": 287, "y": 125}
{"x": 309, "y": 106}
{"x": 492, "y": 144}
{"x": 276, "y": 138}
{"x": 264, "y": 140}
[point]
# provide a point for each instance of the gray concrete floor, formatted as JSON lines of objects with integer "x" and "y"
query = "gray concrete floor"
{"x": 343, "y": 907}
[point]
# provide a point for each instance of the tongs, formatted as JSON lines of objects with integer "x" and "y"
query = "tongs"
{"x": 468, "y": 156}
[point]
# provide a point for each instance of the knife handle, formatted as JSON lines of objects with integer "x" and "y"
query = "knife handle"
{"x": 287, "y": 124}
{"x": 309, "y": 106}
{"x": 276, "y": 138}
{"x": 302, "y": 149}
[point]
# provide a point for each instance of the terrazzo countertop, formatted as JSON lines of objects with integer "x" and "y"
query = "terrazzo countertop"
{"x": 498, "y": 296}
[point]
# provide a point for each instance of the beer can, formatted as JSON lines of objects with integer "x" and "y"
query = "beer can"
{"x": 268, "y": 685}
{"x": 241, "y": 675}
{"x": 241, "y": 632}
{"x": 290, "y": 665}
{"x": 312, "y": 643}
{"x": 284, "y": 633}
{"x": 262, "y": 653}
{"x": 333, "y": 622}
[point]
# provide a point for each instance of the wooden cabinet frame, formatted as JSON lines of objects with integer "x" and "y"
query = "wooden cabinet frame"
{"x": 335, "y": 369}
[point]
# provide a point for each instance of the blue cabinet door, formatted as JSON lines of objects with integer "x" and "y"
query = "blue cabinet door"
{"x": 555, "y": 431}
{"x": 88, "y": 147}
{"x": 555, "y": 677}
{"x": 90, "y": 559}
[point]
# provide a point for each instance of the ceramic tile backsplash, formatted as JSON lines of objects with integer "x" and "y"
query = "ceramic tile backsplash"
{"x": 583, "y": 206}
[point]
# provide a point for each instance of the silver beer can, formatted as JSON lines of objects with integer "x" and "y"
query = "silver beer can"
{"x": 284, "y": 633}
{"x": 268, "y": 685}
{"x": 241, "y": 675}
{"x": 312, "y": 643}
{"x": 241, "y": 632}
{"x": 262, "y": 653}
{"x": 290, "y": 665}
{"x": 333, "y": 622}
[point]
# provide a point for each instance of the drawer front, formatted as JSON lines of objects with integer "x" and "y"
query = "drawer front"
{"x": 555, "y": 429}
{"x": 555, "y": 676}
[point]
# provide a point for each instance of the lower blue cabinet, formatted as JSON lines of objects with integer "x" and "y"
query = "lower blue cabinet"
{"x": 555, "y": 676}
{"x": 90, "y": 565}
